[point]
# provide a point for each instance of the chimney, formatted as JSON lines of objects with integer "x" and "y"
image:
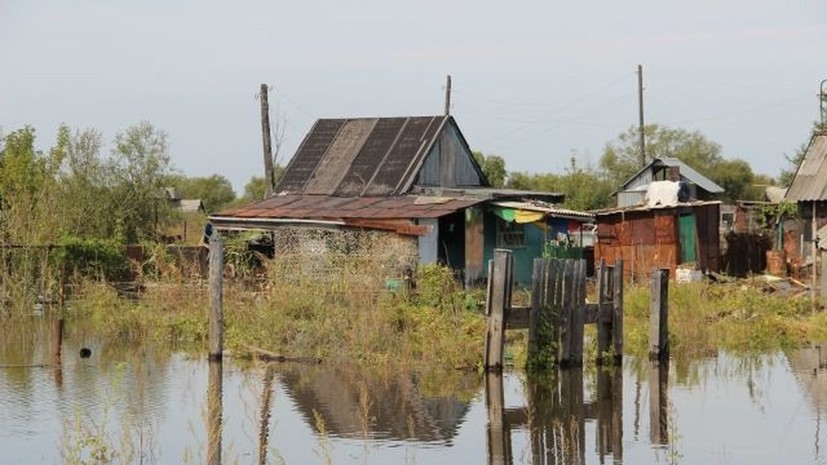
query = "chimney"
{"x": 675, "y": 173}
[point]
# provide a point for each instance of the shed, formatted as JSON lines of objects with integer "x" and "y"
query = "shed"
{"x": 685, "y": 235}
{"x": 696, "y": 186}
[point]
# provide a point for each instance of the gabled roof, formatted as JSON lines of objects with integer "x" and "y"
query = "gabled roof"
{"x": 810, "y": 180}
{"x": 686, "y": 171}
{"x": 364, "y": 156}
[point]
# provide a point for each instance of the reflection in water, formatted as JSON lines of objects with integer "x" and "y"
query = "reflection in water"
{"x": 555, "y": 415}
{"x": 764, "y": 409}
{"x": 659, "y": 402}
{"x": 214, "y": 411}
{"x": 355, "y": 403}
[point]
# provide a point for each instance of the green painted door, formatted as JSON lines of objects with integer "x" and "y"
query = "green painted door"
{"x": 686, "y": 234}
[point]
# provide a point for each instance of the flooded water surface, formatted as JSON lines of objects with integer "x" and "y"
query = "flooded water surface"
{"x": 136, "y": 404}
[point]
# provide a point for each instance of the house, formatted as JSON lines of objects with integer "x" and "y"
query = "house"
{"x": 412, "y": 177}
{"x": 808, "y": 190}
{"x": 694, "y": 185}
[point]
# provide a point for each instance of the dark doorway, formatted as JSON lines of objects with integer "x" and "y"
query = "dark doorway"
{"x": 452, "y": 240}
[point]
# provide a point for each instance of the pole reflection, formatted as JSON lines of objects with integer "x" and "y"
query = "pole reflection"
{"x": 214, "y": 411}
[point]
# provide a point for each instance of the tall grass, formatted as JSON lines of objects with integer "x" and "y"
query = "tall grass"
{"x": 738, "y": 317}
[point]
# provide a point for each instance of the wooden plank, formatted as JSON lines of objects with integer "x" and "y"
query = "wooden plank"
{"x": 498, "y": 301}
{"x": 216, "y": 283}
{"x": 617, "y": 309}
{"x": 603, "y": 336}
{"x": 579, "y": 296}
{"x": 519, "y": 317}
{"x": 589, "y": 314}
{"x": 566, "y": 312}
{"x": 659, "y": 315}
{"x": 537, "y": 298}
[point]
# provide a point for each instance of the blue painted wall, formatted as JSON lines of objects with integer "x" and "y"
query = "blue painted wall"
{"x": 523, "y": 256}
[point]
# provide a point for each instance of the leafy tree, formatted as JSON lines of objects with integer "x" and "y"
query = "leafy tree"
{"x": 786, "y": 176}
{"x": 139, "y": 164}
{"x": 493, "y": 166}
{"x": 254, "y": 189}
{"x": 215, "y": 191}
{"x": 585, "y": 189}
{"x": 737, "y": 179}
{"x": 621, "y": 158}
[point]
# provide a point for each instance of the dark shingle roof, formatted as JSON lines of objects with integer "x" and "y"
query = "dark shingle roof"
{"x": 360, "y": 156}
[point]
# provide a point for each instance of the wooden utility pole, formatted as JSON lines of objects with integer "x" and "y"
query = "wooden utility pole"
{"x": 640, "y": 114}
{"x": 448, "y": 96}
{"x": 216, "y": 284}
{"x": 269, "y": 180}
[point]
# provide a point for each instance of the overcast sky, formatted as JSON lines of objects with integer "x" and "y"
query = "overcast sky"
{"x": 533, "y": 80}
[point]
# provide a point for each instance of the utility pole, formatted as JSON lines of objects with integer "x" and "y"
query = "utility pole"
{"x": 640, "y": 112}
{"x": 448, "y": 96}
{"x": 269, "y": 184}
{"x": 822, "y": 103}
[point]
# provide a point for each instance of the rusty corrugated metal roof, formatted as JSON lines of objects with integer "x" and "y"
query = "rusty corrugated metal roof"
{"x": 360, "y": 156}
{"x": 324, "y": 207}
{"x": 810, "y": 181}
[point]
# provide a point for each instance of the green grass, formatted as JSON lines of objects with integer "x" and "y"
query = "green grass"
{"x": 738, "y": 317}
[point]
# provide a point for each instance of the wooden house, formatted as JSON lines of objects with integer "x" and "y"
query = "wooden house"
{"x": 414, "y": 177}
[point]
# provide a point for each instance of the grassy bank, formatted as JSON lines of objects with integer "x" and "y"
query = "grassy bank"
{"x": 738, "y": 317}
{"x": 346, "y": 318}
{"x": 352, "y": 316}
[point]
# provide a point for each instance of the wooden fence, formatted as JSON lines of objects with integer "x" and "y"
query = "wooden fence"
{"x": 558, "y": 311}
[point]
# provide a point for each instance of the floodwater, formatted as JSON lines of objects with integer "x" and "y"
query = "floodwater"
{"x": 136, "y": 404}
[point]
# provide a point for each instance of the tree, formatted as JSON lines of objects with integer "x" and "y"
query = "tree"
{"x": 584, "y": 188}
{"x": 738, "y": 180}
{"x": 786, "y": 175}
{"x": 621, "y": 158}
{"x": 139, "y": 165}
{"x": 493, "y": 167}
{"x": 254, "y": 189}
{"x": 215, "y": 191}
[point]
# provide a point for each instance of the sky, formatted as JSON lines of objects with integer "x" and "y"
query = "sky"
{"x": 534, "y": 81}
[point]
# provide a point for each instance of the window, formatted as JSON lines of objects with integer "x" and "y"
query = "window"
{"x": 510, "y": 234}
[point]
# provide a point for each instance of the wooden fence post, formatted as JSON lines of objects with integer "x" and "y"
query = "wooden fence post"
{"x": 617, "y": 310}
{"x": 604, "y": 310}
{"x": 659, "y": 315}
{"x": 577, "y": 311}
{"x": 498, "y": 299}
{"x": 538, "y": 298}
{"x": 566, "y": 312}
{"x": 216, "y": 284}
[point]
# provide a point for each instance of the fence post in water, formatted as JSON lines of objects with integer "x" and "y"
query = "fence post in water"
{"x": 617, "y": 310}
{"x": 216, "y": 284}
{"x": 498, "y": 299}
{"x": 659, "y": 316}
